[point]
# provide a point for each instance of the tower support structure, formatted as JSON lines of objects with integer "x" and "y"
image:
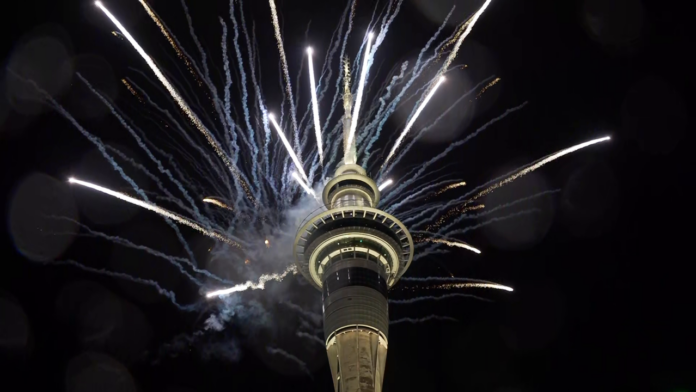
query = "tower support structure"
{"x": 354, "y": 253}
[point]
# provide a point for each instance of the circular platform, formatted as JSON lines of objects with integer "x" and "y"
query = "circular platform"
{"x": 355, "y": 222}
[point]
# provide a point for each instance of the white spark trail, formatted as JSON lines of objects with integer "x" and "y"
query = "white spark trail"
{"x": 217, "y": 202}
{"x": 385, "y": 184}
{"x": 451, "y": 186}
{"x": 172, "y": 91}
{"x": 303, "y": 184}
{"x": 469, "y": 26}
{"x": 452, "y": 282}
{"x": 413, "y": 120}
{"x": 358, "y": 98}
{"x": 537, "y": 165}
{"x": 457, "y": 244}
{"x": 156, "y": 209}
{"x": 294, "y": 157}
{"x": 315, "y": 105}
{"x": 286, "y": 74}
{"x": 249, "y": 285}
{"x": 475, "y": 285}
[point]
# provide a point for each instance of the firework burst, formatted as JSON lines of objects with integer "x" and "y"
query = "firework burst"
{"x": 262, "y": 185}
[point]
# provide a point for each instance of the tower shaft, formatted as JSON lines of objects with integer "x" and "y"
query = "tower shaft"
{"x": 354, "y": 253}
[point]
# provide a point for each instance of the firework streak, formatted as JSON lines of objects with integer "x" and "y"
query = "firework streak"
{"x": 385, "y": 184}
{"x": 457, "y": 244}
{"x": 449, "y": 283}
{"x": 315, "y": 105}
{"x": 286, "y": 72}
{"x": 252, "y": 285}
{"x": 413, "y": 120}
{"x": 155, "y": 209}
{"x": 218, "y": 203}
{"x": 252, "y": 175}
{"x": 179, "y": 100}
{"x": 537, "y": 165}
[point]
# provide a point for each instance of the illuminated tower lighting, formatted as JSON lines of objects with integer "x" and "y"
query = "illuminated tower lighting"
{"x": 354, "y": 253}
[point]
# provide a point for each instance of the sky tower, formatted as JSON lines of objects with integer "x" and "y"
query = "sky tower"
{"x": 354, "y": 253}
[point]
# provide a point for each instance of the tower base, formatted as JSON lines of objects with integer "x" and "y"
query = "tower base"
{"x": 357, "y": 357}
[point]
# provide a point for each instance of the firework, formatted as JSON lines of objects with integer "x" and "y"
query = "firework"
{"x": 303, "y": 184}
{"x": 468, "y": 26}
{"x": 315, "y": 105}
{"x": 131, "y": 90}
{"x": 172, "y": 41}
{"x": 413, "y": 120}
{"x": 250, "y": 165}
{"x": 294, "y": 157}
{"x": 172, "y": 91}
{"x": 489, "y": 85}
{"x": 457, "y": 244}
{"x": 455, "y": 211}
{"x": 286, "y": 72}
{"x": 494, "y": 286}
{"x": 537, "y": 165}
{"x": 156, "y": 209}
{"x": 453, "y": 283}
{"x": 250, "y": 285}
{"x": 451, "y": 186}
{"x": 385, "y": 184}
{"x": 218, "y": 203}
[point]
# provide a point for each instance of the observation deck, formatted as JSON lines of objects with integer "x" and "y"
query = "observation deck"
{"x": 354, "y": 253}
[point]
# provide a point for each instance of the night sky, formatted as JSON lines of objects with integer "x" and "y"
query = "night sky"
{"x": 602, "y": 273}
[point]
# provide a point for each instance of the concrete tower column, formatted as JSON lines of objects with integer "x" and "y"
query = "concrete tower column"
{"x": 354, "y": 253}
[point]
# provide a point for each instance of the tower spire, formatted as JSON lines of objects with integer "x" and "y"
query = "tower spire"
{"x": 349, "y": 151}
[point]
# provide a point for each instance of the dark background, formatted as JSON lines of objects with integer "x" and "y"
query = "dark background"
{"x": 603, "y": 296}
